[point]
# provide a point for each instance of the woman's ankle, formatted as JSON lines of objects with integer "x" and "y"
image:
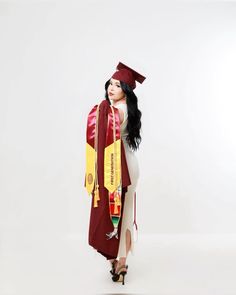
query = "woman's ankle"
{"x": 122, "y": 261}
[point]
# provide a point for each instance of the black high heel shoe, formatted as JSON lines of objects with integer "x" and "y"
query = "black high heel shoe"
{"x": 113, "y": 266}
{"x": 119, "y": 276}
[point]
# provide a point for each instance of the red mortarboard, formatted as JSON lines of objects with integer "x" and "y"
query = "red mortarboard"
{"x": 127, "y": 75}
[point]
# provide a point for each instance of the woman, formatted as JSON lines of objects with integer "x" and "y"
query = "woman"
{"x": 119, "y": 94}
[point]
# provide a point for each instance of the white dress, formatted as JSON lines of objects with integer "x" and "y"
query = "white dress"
{"x": 128, "y": 210}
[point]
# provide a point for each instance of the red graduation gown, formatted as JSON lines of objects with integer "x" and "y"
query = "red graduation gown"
{"x": 100, "y": 222}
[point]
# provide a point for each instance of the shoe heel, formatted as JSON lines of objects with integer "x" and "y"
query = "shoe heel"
{"x": 123, "y": 282}
{"x": 120, "y": 275}
{"x": 123, "y": 277}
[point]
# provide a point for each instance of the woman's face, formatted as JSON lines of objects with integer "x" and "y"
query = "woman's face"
{"x": 115, "y": 91}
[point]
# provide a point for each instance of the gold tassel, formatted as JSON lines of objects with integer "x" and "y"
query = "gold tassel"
{"x": 96, "y": 196}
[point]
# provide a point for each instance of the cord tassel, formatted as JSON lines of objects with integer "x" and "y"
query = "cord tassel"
{"x": 96, "y": 196}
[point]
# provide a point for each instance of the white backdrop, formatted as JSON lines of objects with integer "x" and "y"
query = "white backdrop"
{"x": 55, "y": 59}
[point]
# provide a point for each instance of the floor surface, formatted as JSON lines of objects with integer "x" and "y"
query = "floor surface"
{"x": 162, "y": 264}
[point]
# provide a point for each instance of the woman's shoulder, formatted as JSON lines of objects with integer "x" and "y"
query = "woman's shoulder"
{"x": 122, "y": 106}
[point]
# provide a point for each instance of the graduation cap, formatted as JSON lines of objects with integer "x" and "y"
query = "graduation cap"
{"x": 127, "y": 75}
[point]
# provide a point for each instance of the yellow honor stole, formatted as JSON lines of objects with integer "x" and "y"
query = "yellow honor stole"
{"x": 91, "y": 180}
{"x": 112, "y": 163}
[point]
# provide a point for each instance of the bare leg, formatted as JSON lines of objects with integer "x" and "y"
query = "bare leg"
{"x": 122, "y": 260}
{"x": 128, "y": 241}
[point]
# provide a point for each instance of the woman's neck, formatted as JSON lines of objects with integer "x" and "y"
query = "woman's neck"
{"x": 122, "y": 100}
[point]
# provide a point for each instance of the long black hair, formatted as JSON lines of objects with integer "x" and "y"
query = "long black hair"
{"x": 134, "y": 115}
